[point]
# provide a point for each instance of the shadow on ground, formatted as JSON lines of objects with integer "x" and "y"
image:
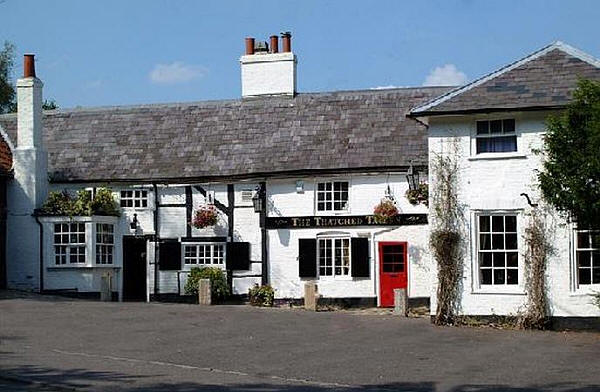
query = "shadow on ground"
{"x": 80, "y": 379}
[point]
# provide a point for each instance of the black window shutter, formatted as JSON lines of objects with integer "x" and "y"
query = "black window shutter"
{"x": 237, "y": 256}
{"x": 170, "y": 255}
{"x": 360, "y": 257}
{"x": 307, "y": 257}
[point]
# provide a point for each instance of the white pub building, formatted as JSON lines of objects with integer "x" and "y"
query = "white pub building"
{"x": 295, "y": 178}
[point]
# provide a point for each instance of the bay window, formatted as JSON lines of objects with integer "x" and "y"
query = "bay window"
{"x": 105, "y": 242}
{"x": 69, "y": 243}
{"x": 80, "y": 241}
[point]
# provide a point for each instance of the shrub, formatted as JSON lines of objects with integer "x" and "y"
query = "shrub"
{"x": 596, "y": 298}
{"x": 205, "y": 216}
{"x": 104, "y": 203}
{"x": 261, "y": 295}
{"x": 385, "y": 211}
{"x": 63, "y": 204}
{"x": 218, "y": 282}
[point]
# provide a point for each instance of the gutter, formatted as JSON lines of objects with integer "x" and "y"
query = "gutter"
{"x": 431, "y": 113}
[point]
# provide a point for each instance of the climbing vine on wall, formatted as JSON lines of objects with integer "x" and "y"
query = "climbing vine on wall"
{"x": 446, "y": 238}
{"x": 537, "y": 250}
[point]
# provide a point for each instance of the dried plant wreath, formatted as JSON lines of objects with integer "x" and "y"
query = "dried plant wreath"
{"x": 446, "y": 238}
{"x": 537, "y": 250}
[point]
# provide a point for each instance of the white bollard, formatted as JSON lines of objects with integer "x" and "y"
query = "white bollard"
{"x": 400, "y": 302}
{"x": 204, "y": 295}
{"x": 106, "y": 287}
{"x": 311, "y": 296}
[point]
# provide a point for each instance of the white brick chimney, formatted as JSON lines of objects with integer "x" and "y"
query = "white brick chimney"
{"x": 266, "y": 71}
{"x": 31, "y": 158}
{"x": 29, "y": 187}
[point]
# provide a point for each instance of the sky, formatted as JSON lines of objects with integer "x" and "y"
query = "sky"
{"x": 117, "y": 52}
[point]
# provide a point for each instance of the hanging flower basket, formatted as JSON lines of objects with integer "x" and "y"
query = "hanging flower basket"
{"x": 385, "y": 211}
{"x": 419, "y": 195}
{"x": 204, "y": 217}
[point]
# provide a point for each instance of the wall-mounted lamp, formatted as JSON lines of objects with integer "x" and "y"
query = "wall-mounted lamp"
{"x": 258, "y": 199}
{"x": 412, "y": 178}
{"x": 134, "y": 223}
{"x": 388, "y": 194}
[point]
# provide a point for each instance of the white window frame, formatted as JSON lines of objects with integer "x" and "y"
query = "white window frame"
{"x": 346, "y": 210}
{"x": 474, "y": 156}
{"x": 212, "y": 245}
{"x": 138, "y": 195}
{"x": 333, "y": 238}
{"x": 101, "y": 246}
{"x": 477, "y": 287}
{"x": 69, "y": 244}
{"x": 582, "y": 288}
{"x": 90, "y": 231}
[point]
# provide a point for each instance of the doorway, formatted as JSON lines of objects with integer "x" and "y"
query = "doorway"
{"x": 134, "y": 269}
{"x": 392, "y": 270}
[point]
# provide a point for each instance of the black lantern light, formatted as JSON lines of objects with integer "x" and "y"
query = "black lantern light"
{"x": 134, "y": 223}
{"x": 412, "y": 178}
{"x": 258, "y": 199}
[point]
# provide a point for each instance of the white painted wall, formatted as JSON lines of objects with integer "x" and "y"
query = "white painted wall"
{"x": 365, "y": 192}
{"x": 268, "y": 74}
{"x": 283, "y": 200}
{"x": 494, "y": 182}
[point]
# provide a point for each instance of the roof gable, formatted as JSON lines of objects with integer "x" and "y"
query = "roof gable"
{"x": 543, "y": 80}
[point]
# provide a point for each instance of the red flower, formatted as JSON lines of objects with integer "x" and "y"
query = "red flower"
{"x": 204, "y": 217}
{"x": 385, "y": 210}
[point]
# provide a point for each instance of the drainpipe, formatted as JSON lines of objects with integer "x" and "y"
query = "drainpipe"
{"x": 37, "y": 219}
{"x": 156, "y": 239}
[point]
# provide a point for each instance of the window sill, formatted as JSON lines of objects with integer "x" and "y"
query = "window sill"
{"x": 87, "y": 267}
{"x": 332, "y": 213}
{"x": 335, "y": 279}
{"x": 497, "y": 155}
{"x": 499, "y": 291}
{"x": 585, "y": 291}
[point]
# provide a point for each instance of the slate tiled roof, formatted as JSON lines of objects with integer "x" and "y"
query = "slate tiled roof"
{"x": 320, "y": 131}
{"x": 542, "y": 80}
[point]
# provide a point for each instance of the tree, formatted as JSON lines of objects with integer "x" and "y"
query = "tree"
{"x": 49, "y": 104}
{"x": 570, "y": 178}
{"x": 7, "y": 90}
{"x": 8, "y": 102}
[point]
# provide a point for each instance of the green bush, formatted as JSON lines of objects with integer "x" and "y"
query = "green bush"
{"x": 261, "y": 295}
{"x": 63, "y": 204}
{"x": 596, "y": 298}
{"x": 218, "y": 282}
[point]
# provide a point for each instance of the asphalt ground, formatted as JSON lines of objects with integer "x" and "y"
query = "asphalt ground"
{"x": 59, "y": 344}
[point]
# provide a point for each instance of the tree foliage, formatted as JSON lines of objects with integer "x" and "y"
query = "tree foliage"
{"x": 7, "y": 90}
{"x": 8, "y": 95}
{"x": 570, "y": 178}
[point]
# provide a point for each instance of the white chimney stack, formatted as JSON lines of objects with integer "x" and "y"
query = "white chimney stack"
{"x": 29, "y": 106}
{"x": 268, "y": 72}
{"x": 29, "y": 188}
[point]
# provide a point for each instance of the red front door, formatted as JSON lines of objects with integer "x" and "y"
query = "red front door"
{"x": 392, "y": 270}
